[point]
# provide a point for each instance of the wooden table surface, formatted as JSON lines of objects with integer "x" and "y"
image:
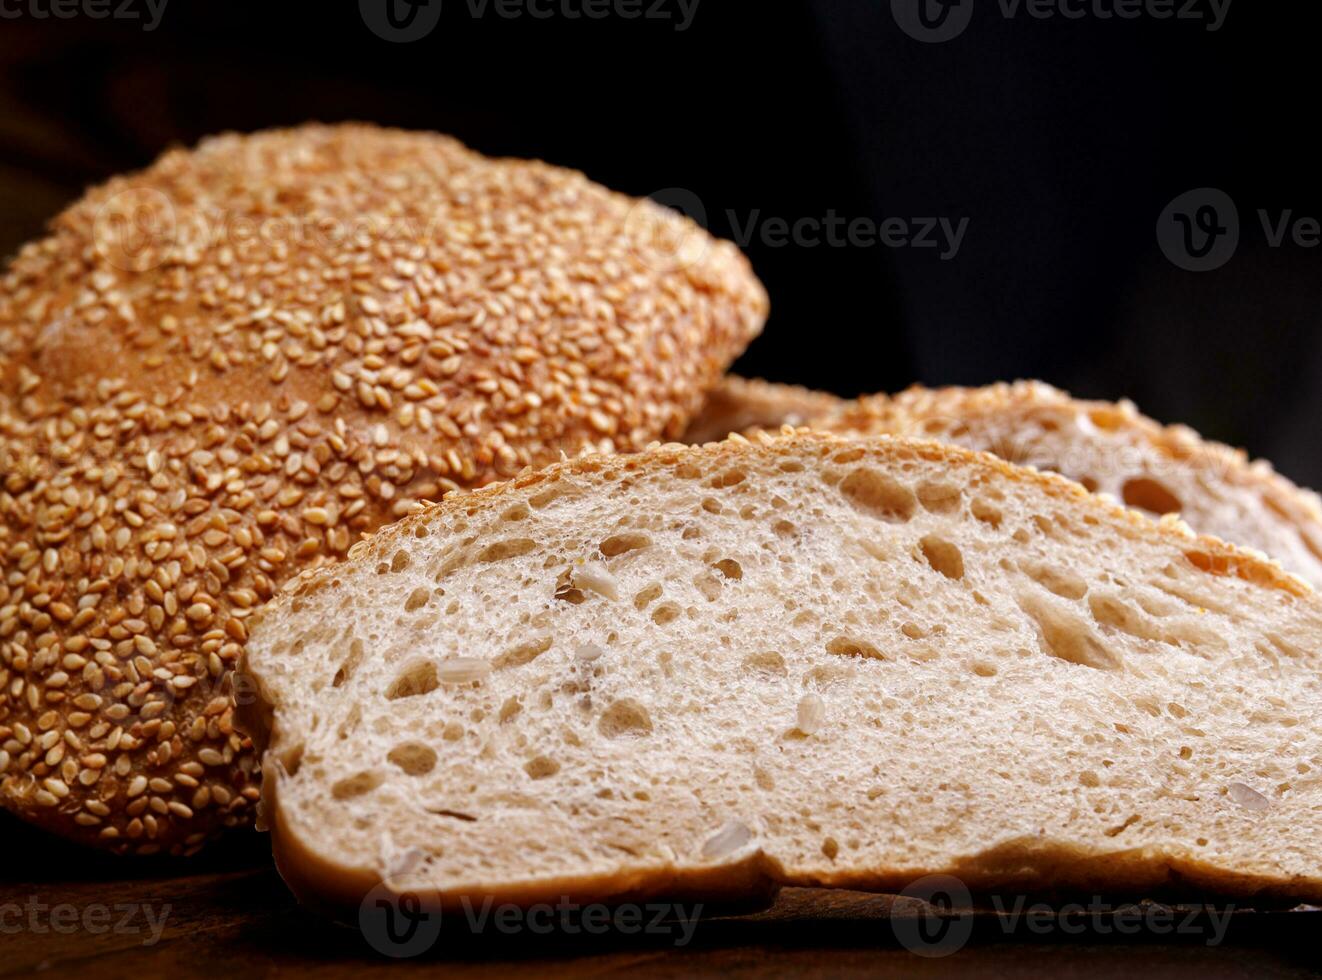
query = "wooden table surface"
{"x": 228, "y": 913}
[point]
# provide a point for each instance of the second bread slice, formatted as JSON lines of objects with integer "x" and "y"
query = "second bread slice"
{"x": 710, "y": 671}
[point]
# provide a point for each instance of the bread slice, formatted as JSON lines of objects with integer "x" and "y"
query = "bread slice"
{"x": 711, "y": 671}
{"x": 739, "y": 404}
{"x": 1111, "y": 448}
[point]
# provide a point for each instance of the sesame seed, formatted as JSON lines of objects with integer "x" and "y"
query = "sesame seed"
{"x": 282, "y": 399}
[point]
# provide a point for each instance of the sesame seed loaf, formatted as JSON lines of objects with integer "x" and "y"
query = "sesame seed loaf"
{"x": 226, "y": 368}
{"x": 709, "y": 671}
{"x": 1110, "y": 448}
{"x": 740, "y": 404}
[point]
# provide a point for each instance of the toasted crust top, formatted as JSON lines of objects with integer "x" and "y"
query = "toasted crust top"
{"x": 226, "y": 368}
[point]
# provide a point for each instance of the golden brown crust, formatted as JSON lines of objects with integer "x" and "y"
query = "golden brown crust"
{"x": 226, "y": 368}
{"x": 740, "y": 404}
{"x": 932, "y": 413}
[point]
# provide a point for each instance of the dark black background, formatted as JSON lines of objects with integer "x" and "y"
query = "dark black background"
{"x": 1059, "y": 140}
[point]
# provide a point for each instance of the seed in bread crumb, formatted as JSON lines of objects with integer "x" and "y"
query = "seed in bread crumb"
{"x": 1248, "y": 797}
{"x": 541, "y": 767}
{"x": 593, "y": 576}
{"x": 588, "y": 652}
{"x": 463, "y": 670}
{"x": 732, "y": 837}
{"x": 811, "y": 713}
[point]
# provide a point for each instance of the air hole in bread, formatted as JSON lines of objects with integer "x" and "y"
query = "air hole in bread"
{"x": 618, "y": 544}
{"x": 784, "y": 529}
{"x": 765, "y": 662}
{"x": 413, "y": 758}
{"x": 540, "y": 767}
{"x": 984, "y": 669}
{"x": 359, "y": 784}
{"x": 730, "y": 568}
{"x": 1110, "y": 610}
{"x": 708, "y": 585}
{"x": 987, "y": 512}
{"x": 452, "y": 814}
{"x": 944, "y": 556}
{"x": 349, "y": 664}
{"x": 939, "y": 498}
{"x": 524, "y": 653}
{"x": 400, "y": 561}
{"x": 1150, "y": 495}
{"x": 509, "y": 548}
{"x": 845, "y": 646}
{"x": 565, "y": 590}
{"x": 417, "y": 599}
{"x": 509, "y": 709}
{"x": 730, "y": 478}
{"x": 873, "y": 492}
{"x": 1067, "y": 636}
{"x": 711, "y": 505}
{"x": 647, "y": 596}
{"x": 1118, "y": 830}
{"x": 547, "y": 496}
{"x": 665, "y": 613}
{"x": 625, "y": 717}
{"x": 518, "y": 512}
{"x": 824, "y": 675}
{"x": 419, "y": 677}
{"x": 1061, "y": 581}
